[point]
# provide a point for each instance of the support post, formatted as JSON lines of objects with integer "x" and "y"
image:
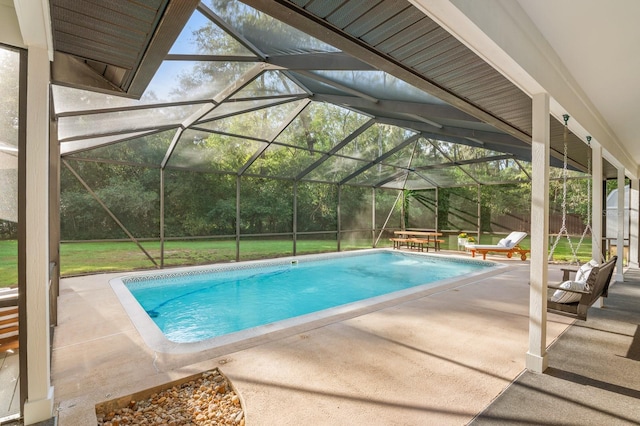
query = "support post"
{"x": 22, "y": 232}
{"x": 479, "y": 213}
{"x": 238, "y": 218}
{"x": 338, "y": 221}
{"x": 621, "y": 226}
{"x": 54, "y": 221}
{"x": 295, "y": 216}
{"x": 634, "y": 206}
{"x": 39, "y": 403}
{"x": 437, "y": 222}
{"x": 373, "y": 217}
{"x": 596, "y": 213}
{"x": 596, "y": 206}
{"x": 537, "y": 355}
{"x": 161, "y": 217}
{"x": 403, "y": 204}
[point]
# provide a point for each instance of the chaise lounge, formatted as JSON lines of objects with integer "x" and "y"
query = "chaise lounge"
{"x": 508, "y": 245}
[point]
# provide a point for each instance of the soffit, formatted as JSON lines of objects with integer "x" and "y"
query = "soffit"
{"x": 595, "y": 41}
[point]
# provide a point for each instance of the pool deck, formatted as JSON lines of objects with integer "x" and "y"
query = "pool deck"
{"x": 439, "y": 358}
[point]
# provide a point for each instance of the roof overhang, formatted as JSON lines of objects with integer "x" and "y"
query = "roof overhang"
{"x": 114, "y": 46}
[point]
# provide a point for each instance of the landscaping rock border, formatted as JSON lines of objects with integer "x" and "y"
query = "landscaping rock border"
{"x": 204, "y": 399}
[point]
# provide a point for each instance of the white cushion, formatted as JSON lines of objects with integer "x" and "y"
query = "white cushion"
{"x": 505, "y": 242}
{"x": 561, "y": 296}
{"x": 585, "y": 270}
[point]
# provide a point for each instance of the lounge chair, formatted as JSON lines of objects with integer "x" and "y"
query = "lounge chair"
{"x": 508, "y": 245}
{"x": 573, "y": 298}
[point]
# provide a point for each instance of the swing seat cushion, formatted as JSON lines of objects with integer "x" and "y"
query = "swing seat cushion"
{"x": 585, "y": 270}
{"x": 580, "y": 283}
{"x": 561, "y": 296}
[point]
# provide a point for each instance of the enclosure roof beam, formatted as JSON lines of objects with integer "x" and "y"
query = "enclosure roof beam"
{"x": 451, "y": 159}
{"x": 297, "y": 81}
{"x": 425, "y": 120}
{"x": 292, "y": 116}
{"x": 380, "y": 159}
{"x": 233, "y": 135}
{"x": 455, "y": 163}
{"x": 251, "y": 109}
{"x": 65, "y": 150}
{"x": 360, "y": 130}
{"x": 211, "y": 58}
{"x": 436, "y": 111}
{"x": 226, "y": 93}
{"x": 231, "y": 31}
{"x": 396, "y": 176}
{"x": 287, "y": 97}
{"x": 522, "y": 168}
{"x": 327, "y": 61}
{"x": 426, "y": 179}
{"x": 117, "y": 162}
{"x": 482, "y": 135}
{"x": 337, "y": 85}
{"x": 129, "y": 108}
{"x": 120, "y": 132}
{"x": 454, "y": 139}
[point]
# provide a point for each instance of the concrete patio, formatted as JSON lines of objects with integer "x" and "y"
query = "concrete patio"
{"x": 438, "y": 358}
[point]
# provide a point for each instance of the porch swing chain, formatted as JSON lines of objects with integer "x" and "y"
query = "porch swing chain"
{"x": 563, "y": 228}
{"x": 588, "y": 227}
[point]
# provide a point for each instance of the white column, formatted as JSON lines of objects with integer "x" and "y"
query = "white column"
{"x": 621, "y": 226}
{"x": 634, "y": 205}
{"x": 39, "y": 402}
{"x": 537, "y": 354}
{"x": 596, "y": 207}
{"x": 596, "y": 201}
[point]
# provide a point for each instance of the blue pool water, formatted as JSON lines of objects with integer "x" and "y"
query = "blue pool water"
{"x": 200, "y": 306}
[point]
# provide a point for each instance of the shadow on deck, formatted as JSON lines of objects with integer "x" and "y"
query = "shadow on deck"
{"x": 9, "y": 386}
{"x": 594, "y": 372}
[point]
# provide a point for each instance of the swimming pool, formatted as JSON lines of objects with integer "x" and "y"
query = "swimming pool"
{"x": 189, "y": 306}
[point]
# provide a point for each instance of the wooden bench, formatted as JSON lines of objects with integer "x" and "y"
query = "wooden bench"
{"x": 8, "y": 329}
{"x": 8, "y": 319}
{"x": 416, "y": 243}
{"x": 597, "y": 285}
{"x": 419, "y": 243}
{"x": 397, "y": 242}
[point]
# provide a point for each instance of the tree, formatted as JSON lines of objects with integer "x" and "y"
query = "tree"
{"x": 9, "y": 93}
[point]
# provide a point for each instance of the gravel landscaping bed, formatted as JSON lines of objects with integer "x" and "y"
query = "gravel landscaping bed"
{"x": 207, "y": 400}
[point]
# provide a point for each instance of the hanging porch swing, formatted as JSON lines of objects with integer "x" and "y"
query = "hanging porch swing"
{"x": 563, "y": 232}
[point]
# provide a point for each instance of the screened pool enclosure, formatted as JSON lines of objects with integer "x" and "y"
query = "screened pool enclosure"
{"x": 253, "y": 132}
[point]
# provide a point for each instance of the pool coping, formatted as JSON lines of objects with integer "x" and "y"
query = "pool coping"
{"x": 155, "y": 339}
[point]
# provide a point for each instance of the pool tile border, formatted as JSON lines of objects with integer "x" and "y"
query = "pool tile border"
{"x": 267, "y": 263}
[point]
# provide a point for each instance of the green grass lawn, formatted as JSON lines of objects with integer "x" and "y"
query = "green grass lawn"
{"x": 95, "y": 257}
{"x": 8, "y": 263}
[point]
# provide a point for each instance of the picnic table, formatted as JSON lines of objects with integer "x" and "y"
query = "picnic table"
{"x": 418, "y": 240}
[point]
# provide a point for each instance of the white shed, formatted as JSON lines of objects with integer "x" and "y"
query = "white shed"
{"x": 612, "y": 215}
